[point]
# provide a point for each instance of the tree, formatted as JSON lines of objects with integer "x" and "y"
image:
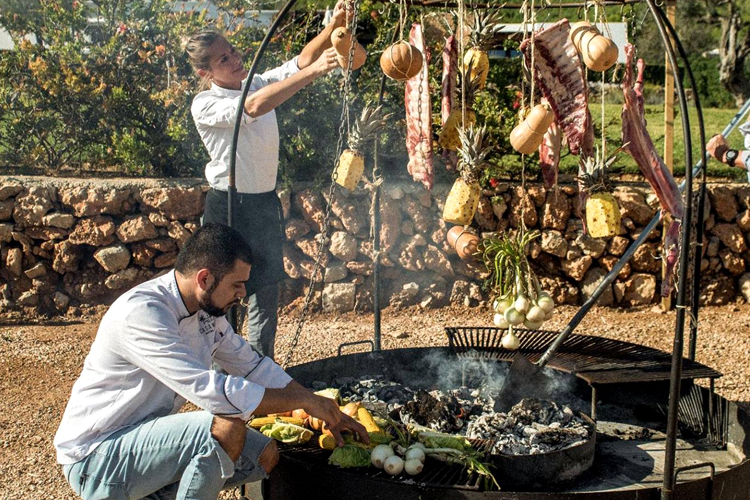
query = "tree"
{"x": 733, "y": 17}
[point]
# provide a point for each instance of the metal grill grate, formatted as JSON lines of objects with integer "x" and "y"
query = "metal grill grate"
{"x": 437, "y": 475}
{"x": 596, "y": 360}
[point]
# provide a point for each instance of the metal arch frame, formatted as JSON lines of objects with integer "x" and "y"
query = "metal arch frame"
{"x": 665, "y": 29}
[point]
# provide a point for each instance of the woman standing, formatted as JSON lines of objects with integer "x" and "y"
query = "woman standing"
{"x": 257, "y": 209}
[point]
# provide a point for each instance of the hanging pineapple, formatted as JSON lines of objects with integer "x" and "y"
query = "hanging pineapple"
{"x": 463, "y": 198}
{"x": 352, "y": 160}
{"x": 449, "y": 133}
{"x": 602, "y": 212}
{"x": 483, "y": 37}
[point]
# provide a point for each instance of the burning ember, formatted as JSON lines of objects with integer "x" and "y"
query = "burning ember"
{"x": 532, "y": 426}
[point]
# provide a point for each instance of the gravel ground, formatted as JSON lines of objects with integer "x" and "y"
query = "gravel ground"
{"x": 40, "y": 362}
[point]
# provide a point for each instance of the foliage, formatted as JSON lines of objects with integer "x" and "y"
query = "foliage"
{"x": 97, "y": 95}
{"x": 114, "y": 95}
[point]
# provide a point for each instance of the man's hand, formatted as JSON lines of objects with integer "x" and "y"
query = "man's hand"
{"x": 717, "y": 146}
{"x": 325, "y": 63}
{"x": 343, "y": 13}
{"x": 328, "y": 411}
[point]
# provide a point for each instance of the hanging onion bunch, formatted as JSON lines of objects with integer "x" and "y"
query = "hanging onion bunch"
{"x": 519, "y": 299}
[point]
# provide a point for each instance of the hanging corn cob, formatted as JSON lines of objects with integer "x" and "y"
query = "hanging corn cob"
{"x": 463, "y": 198}
{"x": 602, "y": 212}
{"x": 449, "y": 133}
{"x": 352, "y": 160}
{"x": 483, "y": 36}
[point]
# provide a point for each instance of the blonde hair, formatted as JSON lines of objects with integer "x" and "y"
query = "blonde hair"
{"x": 196, "y": 47}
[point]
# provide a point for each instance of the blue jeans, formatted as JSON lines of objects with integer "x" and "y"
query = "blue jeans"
{"x": 167, "y": 458}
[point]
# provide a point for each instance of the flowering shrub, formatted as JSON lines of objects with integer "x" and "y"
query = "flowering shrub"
{"x": 103, "y": 95}
{"x": 108, "y": 89}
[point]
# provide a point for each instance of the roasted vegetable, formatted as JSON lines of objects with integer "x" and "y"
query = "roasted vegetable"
{"x": 433, "y": 439}
{"x": 286, "y": 433}
{"x": 393, "y": 465}
{"x": 379, "y": 455}
{"x": 327, "y": 442}
{"x": 350, "y": 409}
{"x": 330, "y": 394}
{"x": 259, "y": 422}
{"x": 350, "y": 455}
{"x": 365, "y": 418}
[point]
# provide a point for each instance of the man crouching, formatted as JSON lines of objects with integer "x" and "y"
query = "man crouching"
{"x": 121, "y": 436}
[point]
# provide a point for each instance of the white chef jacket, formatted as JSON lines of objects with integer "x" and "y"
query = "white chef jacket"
{"x": 258, "y": 143}
{"x": 150, "y": 355}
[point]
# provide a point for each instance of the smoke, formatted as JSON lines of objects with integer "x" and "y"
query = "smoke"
{"x": 448, "y": 371}
{"x": 445, "y": 371}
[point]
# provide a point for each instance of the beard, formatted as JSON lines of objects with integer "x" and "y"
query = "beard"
{"x": 207, "y": 304}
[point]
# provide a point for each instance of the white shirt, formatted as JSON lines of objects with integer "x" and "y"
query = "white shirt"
{"x": 214, "y": 111}
{"x": 149, "y": 356}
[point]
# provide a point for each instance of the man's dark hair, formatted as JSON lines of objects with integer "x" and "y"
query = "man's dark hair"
{"x": 215, "y": 247}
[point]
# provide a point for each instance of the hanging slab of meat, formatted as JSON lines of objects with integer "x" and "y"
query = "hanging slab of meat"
{"x": 419, "y": 117}
{"x": 559, "y": 75}
{"x": 448, "y": 91}
{"x": 639, "y": 145}
{"x": 638, "y": 142}
{"x": 450, "y": 75}
{"x": 549, "y": 155}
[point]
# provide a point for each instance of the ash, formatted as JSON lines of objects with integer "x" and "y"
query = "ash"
{"x": 531, "y": 427}
{"x": 445, "y": 411}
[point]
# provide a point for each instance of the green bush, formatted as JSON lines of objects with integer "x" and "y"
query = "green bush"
{"x": 110, "y": 97}
{"x": 115, "y": 97}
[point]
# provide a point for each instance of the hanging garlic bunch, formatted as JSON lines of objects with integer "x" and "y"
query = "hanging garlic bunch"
{"x": 519, "y": 301}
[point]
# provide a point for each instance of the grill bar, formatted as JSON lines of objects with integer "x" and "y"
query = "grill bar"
{"x": 435, "y": 475}
{"x": 596, "y": 360}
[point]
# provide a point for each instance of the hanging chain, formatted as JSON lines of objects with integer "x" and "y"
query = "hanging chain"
{"x": 422, "y": 78}
{"x": 461, "y": 48}
{"x": 602, "y": 18}
{"x": 343, "y": 130}
{"x": 532, "y": 15}
{"x": 528, "y": 16}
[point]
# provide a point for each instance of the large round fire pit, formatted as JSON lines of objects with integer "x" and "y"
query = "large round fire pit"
{"x": 629, "y": 442}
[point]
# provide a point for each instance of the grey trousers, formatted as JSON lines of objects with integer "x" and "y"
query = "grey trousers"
{"x": 262, "y": 319}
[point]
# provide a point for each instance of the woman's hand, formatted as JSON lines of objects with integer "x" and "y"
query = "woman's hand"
{"x": 325, "y": 63}
{"x": 328, "y": 411}
{"x": 717, "y": 146}
{"x": 343, "y": 13}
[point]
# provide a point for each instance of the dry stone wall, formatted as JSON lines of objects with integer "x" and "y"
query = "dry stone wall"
{"x": 70, "y": 243}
